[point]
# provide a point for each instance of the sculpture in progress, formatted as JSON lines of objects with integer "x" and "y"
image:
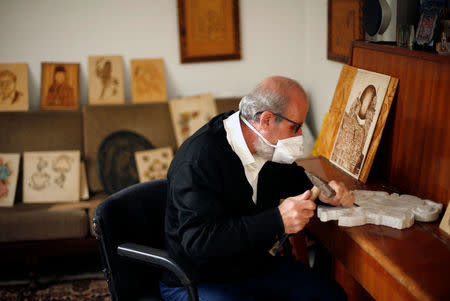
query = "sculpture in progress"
{"x": 381, "y": 208}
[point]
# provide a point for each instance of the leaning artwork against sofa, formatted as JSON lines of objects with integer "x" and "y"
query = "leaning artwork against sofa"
{"x": 60, "y": 86}
{"x": 51, "y": 176}
{"x": 9, "y": 171}
{"x": 153, "y": 164}
{"x": 14, "y": 87}
{"x": 191, "y": 113}
{"x": 148, "y": 82}
{"x": 106, "y": 80}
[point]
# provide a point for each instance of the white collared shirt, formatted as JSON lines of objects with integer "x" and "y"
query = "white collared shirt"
{"x": 252, "y": 164}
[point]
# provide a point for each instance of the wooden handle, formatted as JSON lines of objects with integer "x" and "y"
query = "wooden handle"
{"x": 314, "y": 193}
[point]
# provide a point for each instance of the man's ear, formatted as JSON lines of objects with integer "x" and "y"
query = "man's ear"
{"x": 265, "y": 120}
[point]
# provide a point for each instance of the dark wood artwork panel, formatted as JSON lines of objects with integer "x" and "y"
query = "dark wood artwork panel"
{"x": 415, "y": 149}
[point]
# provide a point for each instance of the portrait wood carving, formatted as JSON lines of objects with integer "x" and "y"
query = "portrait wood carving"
{"x": 106, "y": 80}
{"x": 209, "y": 30}
{"x": 50, "y": 177}
{"x": 14, "y": 87}
{"x": 148, "y": 81}
{"x": 356, "y": 119}
{"x": 60, "y": 86}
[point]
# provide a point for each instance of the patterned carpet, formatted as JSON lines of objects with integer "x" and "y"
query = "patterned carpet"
{"x": 73, "y": 290}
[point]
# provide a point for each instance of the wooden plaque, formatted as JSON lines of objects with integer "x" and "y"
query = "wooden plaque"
{"x": 209, "y": 30}
{"x": 148, "y": 82}
{"x": 106, "y": 80}
{"x": 14, "y": 87}
{"x": 336, "y": 113}
{"x": 60, "y": 86}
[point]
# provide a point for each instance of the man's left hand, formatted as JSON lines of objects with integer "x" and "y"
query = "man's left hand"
{"x": 343, "y": 196}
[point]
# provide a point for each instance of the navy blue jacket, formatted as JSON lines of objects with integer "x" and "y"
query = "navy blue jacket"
{"x": 213, "y": 228}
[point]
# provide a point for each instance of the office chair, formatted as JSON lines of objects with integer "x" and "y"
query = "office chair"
{"x": 129, "y": 226}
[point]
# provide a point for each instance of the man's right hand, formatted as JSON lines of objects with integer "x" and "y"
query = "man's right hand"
{"x": 296, "y": 212}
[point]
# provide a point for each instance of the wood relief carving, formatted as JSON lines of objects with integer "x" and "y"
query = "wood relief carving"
{"x": 381, "y": 208}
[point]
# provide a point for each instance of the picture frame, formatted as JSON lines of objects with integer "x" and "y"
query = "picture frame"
{"x": 209, "y": 30}
{"x": 60, "y": 86}
{"x": 106, "y": 83}
{"x": 345, "y": 24}
{"x": 148, "y": 81}
{"x": 426, "y": 29}
{"x": 14, "y": 87}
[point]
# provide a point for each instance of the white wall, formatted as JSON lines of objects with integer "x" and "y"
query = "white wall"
{"x": 285, "y": 37}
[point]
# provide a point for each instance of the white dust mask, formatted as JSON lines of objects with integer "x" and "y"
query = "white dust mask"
{"x": 286, "y": 150}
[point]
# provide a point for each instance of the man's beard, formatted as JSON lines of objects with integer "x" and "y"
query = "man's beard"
{"x": 262, "y": 149}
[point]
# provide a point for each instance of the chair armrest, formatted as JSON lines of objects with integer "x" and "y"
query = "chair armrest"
{"x": 159, "y": 258}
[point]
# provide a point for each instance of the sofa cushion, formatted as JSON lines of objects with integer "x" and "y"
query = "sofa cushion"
{"x": 25, "y": 222}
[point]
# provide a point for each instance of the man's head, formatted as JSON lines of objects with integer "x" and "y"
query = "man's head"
{"x": 367, "y": 96}
{"x": 7, "y": 84}
{"x": 275, "y": 108}
{"x": 60, "y": 75}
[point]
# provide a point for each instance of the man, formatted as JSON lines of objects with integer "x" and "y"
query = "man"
{"x": 8, "y": 93}
{"x": 223, "y": 209}
{"x": 60, "y": 92}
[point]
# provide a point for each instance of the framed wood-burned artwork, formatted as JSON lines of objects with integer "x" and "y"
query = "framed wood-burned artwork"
{"x": 191, "y": 113}
{"x": 14, "y": 87}
{"x": 148, "y": 82}
{"x": 356, "y": 120}
{"x": 60, "y": 86}
{"x": 51, "y": 176}
{"x": 209, "y": 30}
{"x": 106, "y": 80}
{"x": 9, "y": 171}
{"x": 153, "y": 164}
{"x": 344, "y": 25}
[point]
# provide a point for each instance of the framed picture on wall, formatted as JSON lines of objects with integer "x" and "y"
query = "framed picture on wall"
{"x": 344, "y": 25}
{"x": 14, "y": 87}
{"x": 60, "y": 86}
{"x": 209, "y": 30}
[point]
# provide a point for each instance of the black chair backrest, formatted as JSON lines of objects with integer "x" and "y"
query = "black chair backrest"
{"x": 134, "y": 214}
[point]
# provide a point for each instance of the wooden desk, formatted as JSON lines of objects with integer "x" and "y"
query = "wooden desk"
{"x": 389, "y": 264}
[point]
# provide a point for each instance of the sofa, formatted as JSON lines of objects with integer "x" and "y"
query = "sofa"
{"x": 32, "y": 233}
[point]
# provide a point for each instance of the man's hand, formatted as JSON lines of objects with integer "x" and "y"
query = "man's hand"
{"x": 343, "y": 196}
{"x": 296, "y": 212}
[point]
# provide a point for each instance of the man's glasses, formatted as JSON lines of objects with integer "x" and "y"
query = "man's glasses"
{"x": 298, "y": 126}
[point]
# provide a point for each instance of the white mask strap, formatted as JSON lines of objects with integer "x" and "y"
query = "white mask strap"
{"x": 256, "y": 132}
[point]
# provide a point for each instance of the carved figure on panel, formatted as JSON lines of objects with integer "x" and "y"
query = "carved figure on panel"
{"x": 103, "y": 71}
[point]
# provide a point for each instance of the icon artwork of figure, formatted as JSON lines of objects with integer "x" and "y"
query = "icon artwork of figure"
{"x": 110, "y": 84}
{"x": 8, "y": 93}
{"x": 60, "y": 92}
{"x": 348, "y": 151}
